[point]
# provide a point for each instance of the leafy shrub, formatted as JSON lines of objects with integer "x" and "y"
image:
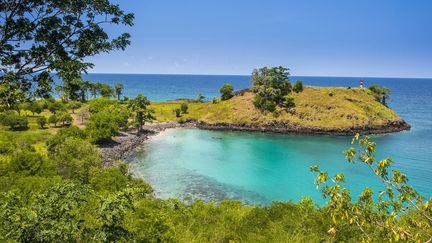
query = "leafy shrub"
{"x": 62, "y": 134}
{"x": 56, "y": 106}
{"x": 34, "y": 107}
{"x": 41, "y": 121}
{"x": 53, "y": 119}
{"x": 184, "y": 108}
{"x": 289, "y": 101}
{"x": 14, "y": 121}
{"x": 65, "y": 118}
{"x": 73, "y": 105}
{"x": 177, "y": 112}
{"x": 102, "y": 126}
{"x": 226, "y": 91}
{"x": 298, "y": 86}
{"x": 99, "y": 104}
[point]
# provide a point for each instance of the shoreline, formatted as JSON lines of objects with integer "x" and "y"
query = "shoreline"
{"x": 124, "y": 146}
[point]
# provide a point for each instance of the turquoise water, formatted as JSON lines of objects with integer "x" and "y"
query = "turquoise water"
{"x": 255, "y": 167}
{"x": 259, "y": 168}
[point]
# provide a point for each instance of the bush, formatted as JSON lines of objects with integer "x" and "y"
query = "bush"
{"x": 99, "y": 104}
{"x": 65, "y": 118}
{"x": 56, "y": 106}
{"x": 41, "y": 121}
{"x": 298, "y": 86}
{"x": 73, "y": 105}
{"x": 226, "y": 92}
{"x": 34, "y": 107}
{"x": 177, "y": 112}
{"x": 270, "y": 106}
{"x": 184, "y": 108}
{"x": 14, "y": 121}
{"x": 53, "y": 119}
{"x": 289, "y": 101}
{"x": 62, "y": 134}
{"x": 102, "y": 126}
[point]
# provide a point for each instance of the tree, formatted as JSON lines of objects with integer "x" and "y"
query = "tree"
{"x": 106, "y": 91}
{"x": 139, "y": 105}
{"x": 73, "y": 105}
{"x": 14, "y": 121}
{"x": 382, "y": 94}
{"x": 118, "y": 90}
{"x": 56, "y": 106}
{"x": 270, "y": 86}
{"x": 42, "y": 37}
{"x": 226, "y": 91}
{"x": 65, "y": 118}
{"x": 298, "y": 86}
{"x": 53, "y": 120}
{"x": 41, "y": 121}
{"x": 34, "y": 107}
{"x": 184, "y": 108}
{"x": 101, "y": 127}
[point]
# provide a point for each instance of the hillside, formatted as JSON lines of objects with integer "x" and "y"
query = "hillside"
{"x": 316, "y": 109}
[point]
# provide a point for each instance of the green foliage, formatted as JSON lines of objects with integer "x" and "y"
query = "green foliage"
{"x": 382, "y": 93}
{"x": 34, "y": 107}
{"x": 184, "y": 108}
{"x": 43, "y": 37}
{"x": 76, "y": 159}
{"x": 102, "y": 126}
{"x": 53, "y": 119}
{"x": 14, "y": 121}
{"x": 384, "y": 219}
{"x": 106, "y": 91}
{"x": 177, "y": 112}
{"x": 298, "y": 86}
{"x": 64, "y": 118}
{"x": 139, "y": 106}
{"x": 73, "y": 105}
{"x": 56, "y": 106}
{"x": 270, "y": 86}
{"x": 41, "y": 121}
{"x": 200, "y": 98}
{"x": 62, "y": 134}
{"x": 118, "y": 90}
{"x": 226, "y": 91}
{"x": 99, "y": 104}
{"x": 288, "y": 101}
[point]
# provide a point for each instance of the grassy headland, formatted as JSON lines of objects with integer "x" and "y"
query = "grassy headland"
{"x": 327, "y": 108}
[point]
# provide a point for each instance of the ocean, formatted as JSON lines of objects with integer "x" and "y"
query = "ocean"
{"x": 259, "y": 168}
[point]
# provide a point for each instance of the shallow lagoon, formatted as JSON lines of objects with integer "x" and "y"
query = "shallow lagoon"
{"x": 258, "y": 168}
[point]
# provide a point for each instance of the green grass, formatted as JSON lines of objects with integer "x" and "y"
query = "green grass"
{"x": 321, "y": 107}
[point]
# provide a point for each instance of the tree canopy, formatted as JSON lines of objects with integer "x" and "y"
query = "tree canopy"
{"x": 41, "y": 37}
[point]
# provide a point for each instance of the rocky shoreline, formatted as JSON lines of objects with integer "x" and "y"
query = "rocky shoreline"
{"x": 288, "y": 128}
{"x": 123, "y": 147}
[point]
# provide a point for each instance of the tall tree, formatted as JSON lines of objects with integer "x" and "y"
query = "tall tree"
{"x": 143, "y": 114}
{"x": 41, "y": 37}
{"x": 118, "y": 90}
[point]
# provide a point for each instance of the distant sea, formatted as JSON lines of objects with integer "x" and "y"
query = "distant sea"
{"x": 411, "y": 98}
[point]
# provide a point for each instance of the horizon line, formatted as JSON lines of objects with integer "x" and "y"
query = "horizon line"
{"x": 202, "y": 74}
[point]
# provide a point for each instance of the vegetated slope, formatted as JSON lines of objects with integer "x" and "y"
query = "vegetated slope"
{"x": 315, "y": 107}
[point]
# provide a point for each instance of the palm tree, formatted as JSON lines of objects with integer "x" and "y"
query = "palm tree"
{"x": 118, "y": 90}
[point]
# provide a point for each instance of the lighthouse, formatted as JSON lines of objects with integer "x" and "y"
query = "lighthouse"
{"x": 361, "y": 83}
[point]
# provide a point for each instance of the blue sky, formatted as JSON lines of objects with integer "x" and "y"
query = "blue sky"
{"x": 385, "y": 38}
